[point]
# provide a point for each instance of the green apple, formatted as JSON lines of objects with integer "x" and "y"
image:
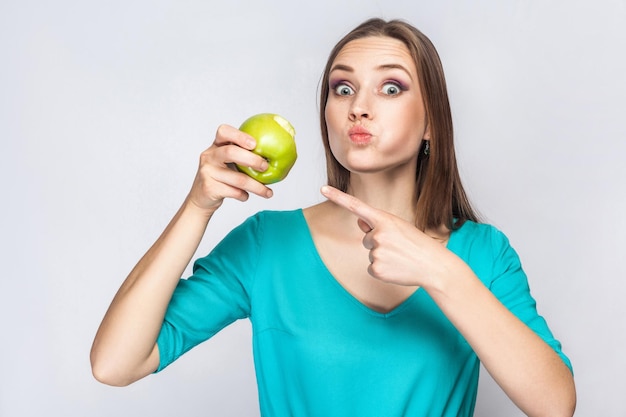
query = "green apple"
{"x": 275, "y": 141}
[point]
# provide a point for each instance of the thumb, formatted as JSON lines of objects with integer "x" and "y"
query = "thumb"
{"x": 366, "y": 228}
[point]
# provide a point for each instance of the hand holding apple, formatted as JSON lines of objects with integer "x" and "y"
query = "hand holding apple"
{"x": 275, "y": 142}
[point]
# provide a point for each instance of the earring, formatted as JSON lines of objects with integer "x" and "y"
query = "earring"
{"x": 427, "y": 148}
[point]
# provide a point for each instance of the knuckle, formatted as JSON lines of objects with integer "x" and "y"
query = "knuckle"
{"x": 204, "y": 172}
{"x": 229, "y": 152}
{"x": 380, "y": 239}
{"x": 241, "y": 180}
{"x": 206, "y": 157}
{"x": 378, "y": 271}
{"x": 240, "y": 195}
{"x": 352, "y": 204}
{"x": 374, "y": 270}
{"x": 221, "y": 130}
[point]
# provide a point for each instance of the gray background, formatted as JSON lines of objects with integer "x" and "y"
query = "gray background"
{"x": 105, "y": 107}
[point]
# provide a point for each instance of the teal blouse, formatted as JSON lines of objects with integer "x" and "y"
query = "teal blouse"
{"x": 318, "y": 351}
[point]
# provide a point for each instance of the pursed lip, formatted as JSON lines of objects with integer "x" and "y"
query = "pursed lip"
{"x": 359, "y": 135}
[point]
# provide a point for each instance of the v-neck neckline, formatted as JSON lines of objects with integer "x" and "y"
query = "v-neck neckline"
{"x": 394, "y": 311}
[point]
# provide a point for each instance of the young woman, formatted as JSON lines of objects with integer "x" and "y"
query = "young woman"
{"x": 380, "y": 301}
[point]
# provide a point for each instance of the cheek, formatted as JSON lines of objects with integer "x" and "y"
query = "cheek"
{"x": 404, "y": 138}
{"x": 416, "y": 128}
{"x": 329, "y": 111}
{"x": 331, "y": 126}
{"x": 332, "y": 121}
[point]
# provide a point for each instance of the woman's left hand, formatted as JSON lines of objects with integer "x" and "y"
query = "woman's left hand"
{"x": 399, "y": 252}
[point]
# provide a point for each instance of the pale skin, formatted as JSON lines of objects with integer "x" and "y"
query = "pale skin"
{"x": 384, "y": 256}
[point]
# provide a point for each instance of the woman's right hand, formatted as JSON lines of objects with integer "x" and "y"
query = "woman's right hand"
{"x": 217, "y": 178}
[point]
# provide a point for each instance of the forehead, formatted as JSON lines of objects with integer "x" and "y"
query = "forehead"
{"x": 375, "y": 49}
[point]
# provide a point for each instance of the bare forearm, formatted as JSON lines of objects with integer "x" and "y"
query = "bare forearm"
{"x": 527, "y": 369}
{"x": 124, "y": 348}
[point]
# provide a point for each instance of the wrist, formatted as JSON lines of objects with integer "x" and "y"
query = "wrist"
{"x": 451, "y": 275}
{"x": 192, "y": 208}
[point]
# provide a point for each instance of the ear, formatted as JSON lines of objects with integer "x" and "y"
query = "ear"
{"x": 426, "y": 132}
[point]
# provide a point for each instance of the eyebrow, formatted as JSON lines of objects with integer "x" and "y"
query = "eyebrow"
{"x": 347, "y": 68}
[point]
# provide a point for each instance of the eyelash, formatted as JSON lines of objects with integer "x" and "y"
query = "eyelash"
{"x": 401, "y": 88}
{"x": 343, "y": 84}
{"x": 335, "y": 86}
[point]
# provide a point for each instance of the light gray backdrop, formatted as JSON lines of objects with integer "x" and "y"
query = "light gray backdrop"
{"x": 105, "y": 107}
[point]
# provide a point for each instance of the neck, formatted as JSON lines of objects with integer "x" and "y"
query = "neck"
{"x": 393, "y": 194}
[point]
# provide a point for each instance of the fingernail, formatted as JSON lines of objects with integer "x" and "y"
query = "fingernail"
{"x": 269, "y": 193}
{"x": 325, "y": 189}
{"x": 264, "y": 166}
{"x": 251, "y": 143}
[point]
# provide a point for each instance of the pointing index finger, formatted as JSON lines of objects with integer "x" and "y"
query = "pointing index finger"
{"x": 351, "y": 203}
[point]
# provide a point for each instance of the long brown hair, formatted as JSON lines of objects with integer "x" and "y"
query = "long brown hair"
{"x": 441, "y": 199}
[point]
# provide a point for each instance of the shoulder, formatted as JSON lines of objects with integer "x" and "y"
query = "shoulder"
{"x": 255, "y": 226}
{"x": 276, "y": 218}
{"x": 479, "y": 235}
{"x": 483, "y": 247}
{"x": 264, "y": 228}
{"x": 272, "y": 224}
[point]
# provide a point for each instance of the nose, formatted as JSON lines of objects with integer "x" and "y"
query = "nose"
{"x": 360, "y": 107}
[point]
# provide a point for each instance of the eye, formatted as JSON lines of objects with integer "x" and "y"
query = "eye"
{"x": 391, "y": 89}
{"x": 343, "y": 90}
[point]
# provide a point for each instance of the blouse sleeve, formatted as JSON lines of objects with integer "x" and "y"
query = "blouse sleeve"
{"x": 216, "y": 295}
{"x": 510, "y": 285}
